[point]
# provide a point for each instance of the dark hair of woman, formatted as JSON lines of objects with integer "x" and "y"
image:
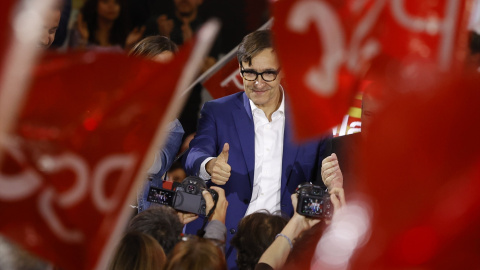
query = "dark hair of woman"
{"x": 120, "y": 29}
{"x": 256, "y": 232}
{"x": 138, "y": 251}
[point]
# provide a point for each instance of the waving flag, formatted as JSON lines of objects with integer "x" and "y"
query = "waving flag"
{"x": 326, "y": 47}
{"x": 89, "y": 125}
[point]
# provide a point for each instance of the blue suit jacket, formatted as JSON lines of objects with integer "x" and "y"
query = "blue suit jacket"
{"x": 229, "y": 120}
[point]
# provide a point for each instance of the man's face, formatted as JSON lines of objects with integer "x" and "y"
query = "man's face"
{"x": 49, "y": 28}
{"x": 263, "y": 94}
{"x": 187, "y": 7}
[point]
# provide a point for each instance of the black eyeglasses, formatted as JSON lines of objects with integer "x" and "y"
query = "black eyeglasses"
{"x": 252, "y": 75}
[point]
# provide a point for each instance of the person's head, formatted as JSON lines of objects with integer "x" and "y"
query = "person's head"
{"x": 160, "y": 222}
{"x": 176, "y": 173}
{"x": 256, "y": 55}
{"x": 108, "y": 9}
{"x": 113, "y": 11}
{"x": 138, "y": 251}
{"x": 196, "y": 254}
{"x": 187, "y": 8}
{"x": 256, "y": 232}
{"x": 158, "y": 48}
{"x": 51, "y": 20}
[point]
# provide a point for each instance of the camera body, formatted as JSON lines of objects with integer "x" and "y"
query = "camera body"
{"x": 314, "y": 202}
{"x": 186, "y": 197}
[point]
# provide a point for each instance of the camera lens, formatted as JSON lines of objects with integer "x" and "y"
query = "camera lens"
{"x": 190, "y": 188}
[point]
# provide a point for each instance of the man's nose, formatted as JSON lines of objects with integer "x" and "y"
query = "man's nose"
{"x": 259, "y": 81}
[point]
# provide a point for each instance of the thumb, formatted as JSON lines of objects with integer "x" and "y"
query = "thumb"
{"x": 224, "y": 154}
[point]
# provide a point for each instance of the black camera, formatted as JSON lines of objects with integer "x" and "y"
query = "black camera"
{"x": 185, "y": 197}
{"x": 314, "y": 202}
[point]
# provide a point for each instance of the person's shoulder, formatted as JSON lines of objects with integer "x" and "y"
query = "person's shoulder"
{"x": 227, "y": 100}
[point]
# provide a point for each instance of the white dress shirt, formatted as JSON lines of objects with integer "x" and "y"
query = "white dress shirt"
{"x": 267, "y": 177}
{"x": 268, "y": 159}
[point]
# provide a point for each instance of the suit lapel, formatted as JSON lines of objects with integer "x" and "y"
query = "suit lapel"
{"x": 243, "y": 120}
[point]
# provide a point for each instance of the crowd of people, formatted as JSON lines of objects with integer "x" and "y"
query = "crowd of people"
{"x": 242, "y": 149}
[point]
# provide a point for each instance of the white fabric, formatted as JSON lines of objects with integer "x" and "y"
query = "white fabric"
{"x": 203, "y": 171}
{"x": 268, "y": 159}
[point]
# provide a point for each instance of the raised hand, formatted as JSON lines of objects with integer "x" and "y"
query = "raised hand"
{"x": 218, "y": 167}
{"x": 134, "y": 36}
{"x": 331, "y": 174}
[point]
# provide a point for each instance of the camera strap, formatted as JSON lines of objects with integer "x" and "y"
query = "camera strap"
{"x": 201, "y": 231}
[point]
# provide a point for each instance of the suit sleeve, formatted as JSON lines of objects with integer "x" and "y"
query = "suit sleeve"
{"x": 204, "y": 145}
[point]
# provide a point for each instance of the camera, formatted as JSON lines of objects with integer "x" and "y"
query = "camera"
{"x": 186, "y": 197}
{"x": 314, "y": 202}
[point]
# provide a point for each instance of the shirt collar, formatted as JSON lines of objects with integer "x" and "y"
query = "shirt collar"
{"x": 281, "y": 109}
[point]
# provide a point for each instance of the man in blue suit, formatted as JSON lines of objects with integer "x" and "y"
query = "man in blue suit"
{"x": 244, "y": 142}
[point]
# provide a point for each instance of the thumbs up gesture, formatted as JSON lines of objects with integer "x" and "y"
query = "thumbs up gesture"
{"x": 218, "y": 167}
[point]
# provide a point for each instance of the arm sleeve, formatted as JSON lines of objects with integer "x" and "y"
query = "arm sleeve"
{"x": 166, "y": 155}
{"x": 204, "y": 145}
{"x": 216, "y": 230}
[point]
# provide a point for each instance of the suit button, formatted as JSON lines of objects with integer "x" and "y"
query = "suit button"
{"x": 233, "y": 231}
{"x": 245, "y": 201}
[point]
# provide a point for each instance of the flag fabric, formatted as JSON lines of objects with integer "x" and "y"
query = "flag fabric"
{"x": 421, "y": 179}
{"x": 226, "y": 80}
{"x": 5, "y": 14}
{"x": 88, "y": 127}
{"x": 326, "y": 47}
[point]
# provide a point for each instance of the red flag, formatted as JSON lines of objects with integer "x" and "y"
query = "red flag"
{"x": 5, "y": 35}
{"x": 226, "y": 80}
{"x": 324, "y": 47}
{"x": 424, "y": 185}
{"x": 88, "y": 124}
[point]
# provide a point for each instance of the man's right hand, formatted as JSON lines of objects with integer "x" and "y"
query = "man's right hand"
{"x": 218, "y": 167}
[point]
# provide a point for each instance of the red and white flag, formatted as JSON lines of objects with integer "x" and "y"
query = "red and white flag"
{"x": 325, "y": 48}
{"x": 82, "y": 139}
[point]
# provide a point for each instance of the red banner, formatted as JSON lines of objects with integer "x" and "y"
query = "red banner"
{"x": 325, "y": 46}
{"x": 422, "y": 179}
{"x": 226, "y": 80}
{"x": 79, "y": 143}
{"x": 5, "y": 36}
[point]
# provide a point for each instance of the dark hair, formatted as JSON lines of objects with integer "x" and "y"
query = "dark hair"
{"x": 196, "y": 254}
{"x": 121, "y": 26}
{"x": 256, "y": 232}
{"x": 252, "y": 44}
{"x": 160, "y": 222}
{"x": 138, "y": 251}
{"x": 152, "y": 46}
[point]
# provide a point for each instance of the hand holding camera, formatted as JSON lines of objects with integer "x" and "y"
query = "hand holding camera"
{"x": 314, "y": 202}
{"x": 187, "y": 197}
